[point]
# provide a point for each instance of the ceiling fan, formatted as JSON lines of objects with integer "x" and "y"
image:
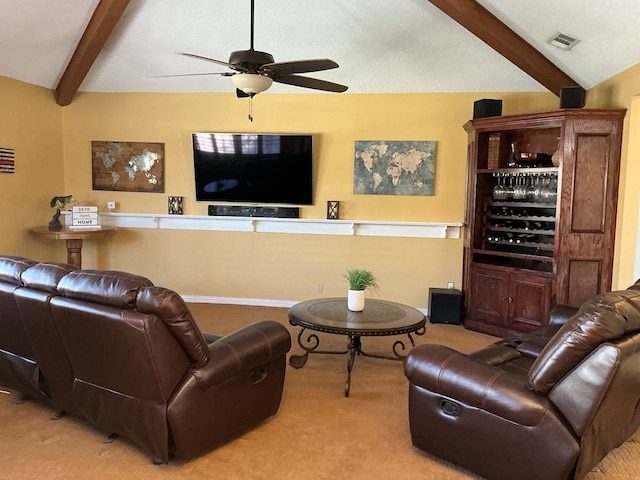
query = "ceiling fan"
{"x": 255, "y": 71}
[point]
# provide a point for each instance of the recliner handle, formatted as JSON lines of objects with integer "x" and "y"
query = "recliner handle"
{"x": 450, "y": 408}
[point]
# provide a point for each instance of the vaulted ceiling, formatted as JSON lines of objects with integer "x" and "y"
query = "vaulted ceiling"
{"x": 381, "y": 46}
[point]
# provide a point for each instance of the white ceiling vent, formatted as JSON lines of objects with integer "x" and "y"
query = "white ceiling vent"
{"x": 560, "y": 40}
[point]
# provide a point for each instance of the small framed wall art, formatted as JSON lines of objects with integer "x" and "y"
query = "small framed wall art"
{"x": 175, "y": 205}
{"x": 7, "y": 160}
{"x": 333, "y": 210}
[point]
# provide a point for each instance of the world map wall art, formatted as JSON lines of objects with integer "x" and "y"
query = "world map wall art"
{"x": 394, "y": 167}
{"x": 128, "y": 166}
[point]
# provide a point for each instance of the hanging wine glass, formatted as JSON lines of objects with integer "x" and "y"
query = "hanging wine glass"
{"x": 520, "y": 190}
{"x": 499, "y": 192}
{"x": 531, "y": 188}
{"x": 549, "y": 194}
{"x": 538, "y": 194}
{"x": 553, "y": 197}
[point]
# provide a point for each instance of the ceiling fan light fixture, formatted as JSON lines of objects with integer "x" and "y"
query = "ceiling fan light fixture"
{"x": 251, "y": 83}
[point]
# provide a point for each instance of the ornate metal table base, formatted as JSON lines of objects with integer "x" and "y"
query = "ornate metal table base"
{"x": 354, "y": 347}
{"x": 330, "y": 315}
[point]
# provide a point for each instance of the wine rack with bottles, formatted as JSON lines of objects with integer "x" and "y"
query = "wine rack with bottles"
{"x": 518, "y": 221}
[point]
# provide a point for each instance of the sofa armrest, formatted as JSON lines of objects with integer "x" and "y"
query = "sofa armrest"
{"x": 461, "y": 378}
{"x": 531, "y": 344}
{"x": 496, "y": 353}
{"x": 561, "y": 313}
{"x": 243, "y": 351}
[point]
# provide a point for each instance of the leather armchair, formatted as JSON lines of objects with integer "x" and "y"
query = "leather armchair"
{"x": 515, "y": 411}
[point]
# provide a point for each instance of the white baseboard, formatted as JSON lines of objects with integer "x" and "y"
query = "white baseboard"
{"x": 255, "y": 302}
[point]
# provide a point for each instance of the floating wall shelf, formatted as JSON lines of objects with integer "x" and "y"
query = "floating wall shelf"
{"x": 366, "y": 228}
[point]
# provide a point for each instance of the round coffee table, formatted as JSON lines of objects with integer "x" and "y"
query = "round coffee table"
{"x": 331, "y": 315}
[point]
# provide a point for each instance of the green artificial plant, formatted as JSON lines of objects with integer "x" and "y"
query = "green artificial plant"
{"x": 360, "y": 279}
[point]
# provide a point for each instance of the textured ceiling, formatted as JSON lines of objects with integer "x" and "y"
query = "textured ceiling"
{"x": 381, "y": 46}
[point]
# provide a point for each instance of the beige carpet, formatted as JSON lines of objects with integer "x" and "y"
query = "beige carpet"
{"x": 318, "y": 433}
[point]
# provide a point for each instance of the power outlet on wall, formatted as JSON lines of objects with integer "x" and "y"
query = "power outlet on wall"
{"x": 111, "y": 205}
{"x": 451, "y": 285}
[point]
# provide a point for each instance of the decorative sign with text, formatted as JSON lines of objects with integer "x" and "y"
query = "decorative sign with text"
{"x": 84, "y": 216}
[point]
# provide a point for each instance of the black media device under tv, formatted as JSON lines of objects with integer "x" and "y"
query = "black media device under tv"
{"x": 253, "y": 168}
{"x": 251, "y": 211}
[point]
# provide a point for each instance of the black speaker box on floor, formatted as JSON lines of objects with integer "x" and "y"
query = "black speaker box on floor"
{"x": 242, "y": 211}
{"x": 572, "y": 97}
{"x": 445, "y": 305}
{"x": 487, "y": 108}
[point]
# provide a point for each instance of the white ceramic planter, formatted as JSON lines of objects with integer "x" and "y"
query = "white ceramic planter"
{"x": 355, "y": 300}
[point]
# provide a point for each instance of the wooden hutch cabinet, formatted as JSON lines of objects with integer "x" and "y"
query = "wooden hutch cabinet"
{"x": 542, "y": 193}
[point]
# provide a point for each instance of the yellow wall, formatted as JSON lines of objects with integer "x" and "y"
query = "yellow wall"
{"x": 30, "y": 124}
{"x": 52, "y": 147}
{"x": 622, "y": 91}
{"x": 336, "y": 121}
{"x": 283, "y": 266}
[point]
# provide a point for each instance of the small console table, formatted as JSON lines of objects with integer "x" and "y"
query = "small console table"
{"x": 331, "y": 315}
{"x": 74, "y": 238}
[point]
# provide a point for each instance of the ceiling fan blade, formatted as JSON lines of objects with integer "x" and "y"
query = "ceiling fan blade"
{"x": 224, "y": 74}
{"x": 300, "y": 66}
{"x": 207, "y": 59}
{"x": 308, "y": 82}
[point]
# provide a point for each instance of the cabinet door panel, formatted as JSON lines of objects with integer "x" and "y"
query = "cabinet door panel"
{"x": 528, "y": 302}
{"x": 583, "y": 281}
{"x": 489, "y": 295}
{"x": 587, "y": 219}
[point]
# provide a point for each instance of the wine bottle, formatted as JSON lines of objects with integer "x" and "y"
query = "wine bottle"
{"x": 537, "y": 226}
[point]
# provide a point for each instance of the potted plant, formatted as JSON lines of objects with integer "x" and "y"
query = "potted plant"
{"x": 59, "y": 203}
{"x": 359, "y": 280}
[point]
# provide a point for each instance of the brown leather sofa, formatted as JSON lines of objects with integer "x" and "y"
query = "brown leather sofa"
{"x": 128, "y": 357}
{"x": 549, "y": 405}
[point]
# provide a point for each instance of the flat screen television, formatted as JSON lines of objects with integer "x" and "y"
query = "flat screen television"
{"x": 253, "y": 168}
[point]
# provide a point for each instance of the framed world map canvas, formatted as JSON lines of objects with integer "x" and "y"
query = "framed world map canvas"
{"x": 128, "y": 166}
{"x": 394, "y": 167}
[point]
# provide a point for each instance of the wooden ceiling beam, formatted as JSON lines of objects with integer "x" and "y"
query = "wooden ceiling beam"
{"x": 484, "y": 25}
{"x": 103, "y": 21}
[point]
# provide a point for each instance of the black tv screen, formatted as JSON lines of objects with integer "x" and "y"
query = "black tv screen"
{"x": 253, "y": 168}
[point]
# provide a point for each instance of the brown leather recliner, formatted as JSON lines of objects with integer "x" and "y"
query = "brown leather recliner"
{"x": 128, "y": 357}
{"x": 40, "y": 286}
{"x": 143, "y": 369}
{"x": 517, "y": 411}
